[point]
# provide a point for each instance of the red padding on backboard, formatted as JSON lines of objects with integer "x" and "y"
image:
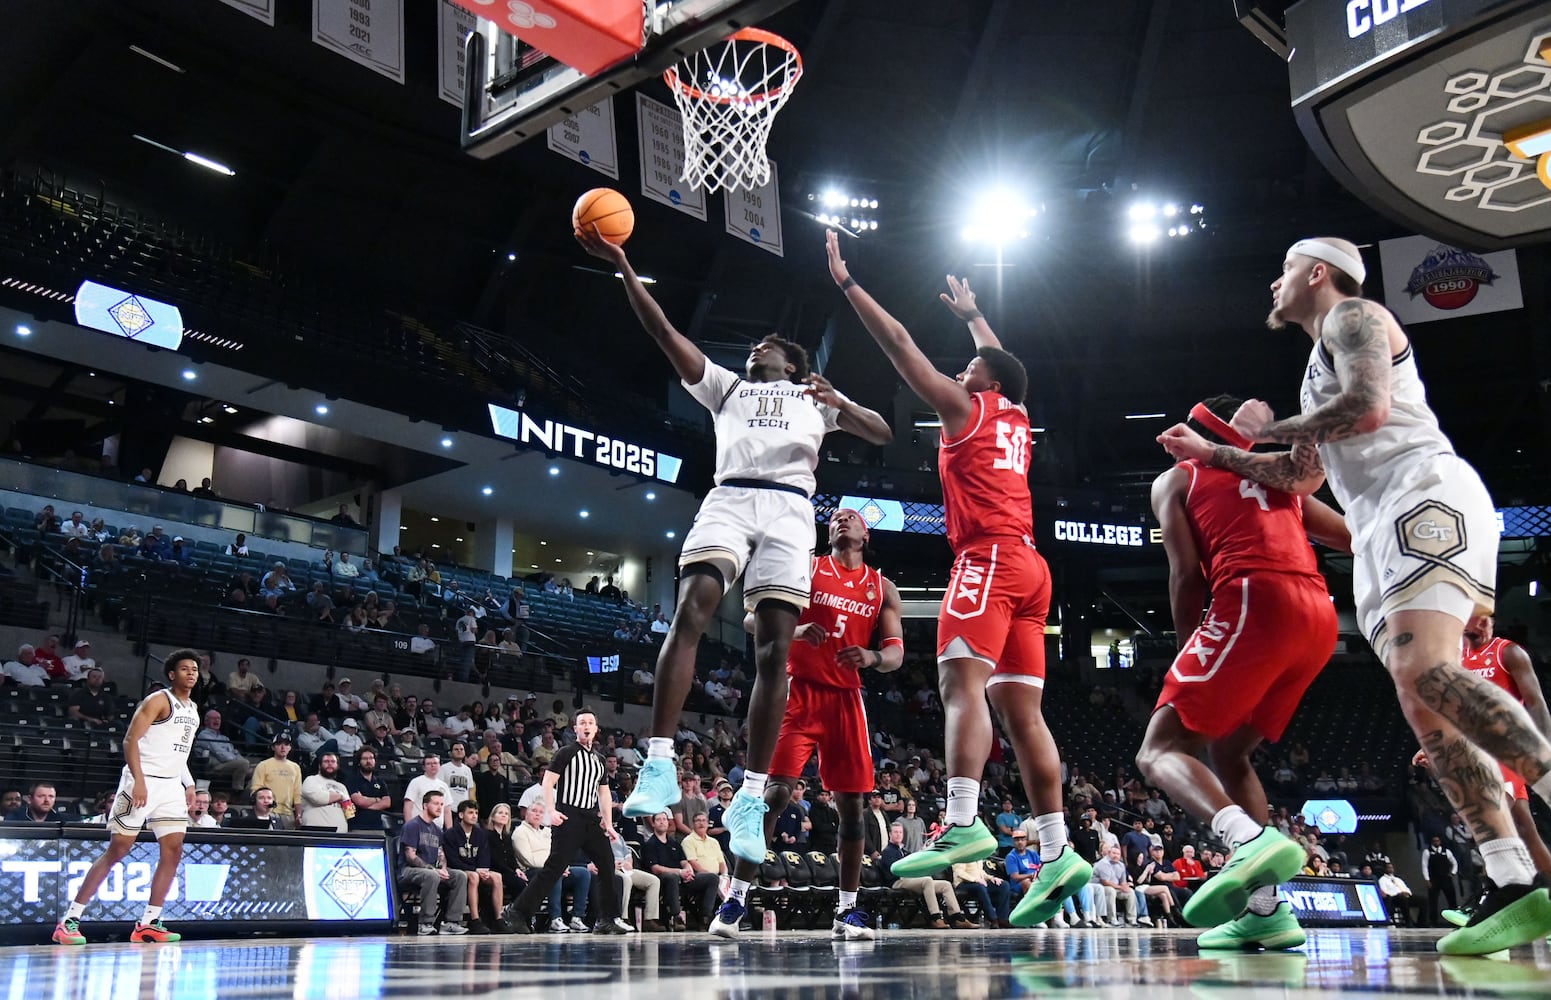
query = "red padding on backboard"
{"x": 590, "y": 35}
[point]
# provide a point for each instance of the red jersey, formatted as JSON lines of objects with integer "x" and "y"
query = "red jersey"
{"x": 846, "y": 604}
{"x": 985, "y": 473}
{"x": 1242, "y": 527}
{"x": 1487, "y": 662}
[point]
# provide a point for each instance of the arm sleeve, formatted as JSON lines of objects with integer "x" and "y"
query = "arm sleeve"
{"x": 714, "y": 387}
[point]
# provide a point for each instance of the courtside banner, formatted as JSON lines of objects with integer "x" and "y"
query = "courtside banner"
{"x": 1425, "y": 280}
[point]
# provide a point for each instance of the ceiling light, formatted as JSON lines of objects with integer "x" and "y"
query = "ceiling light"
{"x": 321, "y": 410}
{"x": 651, "y": 496}
{"x": 530, "y": 565}
{"x": 189, "y": 375}
{"x": 554, "y": 470}
{"x": 435, "y": 519}
{"x": 1145, "y": 416}
{"x": 1170, "y": 210}
{"x": 23, "y": 331}
{"x": 999, "y": 216}
{"x": 834, "y": 199}
{"x": 589, "y": 552}
{"x": 511, "y": 256}
{"x": 457, "y": 539}
{"x": 557, "y": 560}
{"x": 582, "y": 513}
{"x": 1036, "y": 430}
{"x": 229, "y": 408}
{"x": 210, "y": 164}
{"x": 446, "y": 442}
{"x": 488, "y": 490}
{"x": 671, "y": 535}
{"x": 1142, "y": 211}
{"x": 436, "y": 545}
{"x": 403, "y": 527}
{"x": 207, "y": 419}
{"x": 1144, "y": 233}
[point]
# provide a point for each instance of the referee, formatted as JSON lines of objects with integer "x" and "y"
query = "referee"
{"x": 574, "y": 788}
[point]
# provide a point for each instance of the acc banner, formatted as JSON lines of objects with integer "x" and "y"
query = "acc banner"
{"x": 264, "y": 10}
{"x": 452, "y": 30}
{"x": 370, "y": 32}
{"x": 1426, "y": 280}
{"x": 588, "y": 138}
{"x": 661, "y": 131}
{"x": 755, "y": 215}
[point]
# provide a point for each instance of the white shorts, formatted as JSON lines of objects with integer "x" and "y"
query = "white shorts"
{"x": 766, "y": 534}
{"x": 165, "y": 810}
{"x": 1432, "y": 546}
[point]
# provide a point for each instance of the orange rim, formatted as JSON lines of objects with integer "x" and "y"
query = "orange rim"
{"x": 671, "y": 75}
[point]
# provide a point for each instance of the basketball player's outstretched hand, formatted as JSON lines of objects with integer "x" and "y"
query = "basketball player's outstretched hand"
{"x": 599, "y": 247}
{"x": 837, "y": 266}
{"x": 1420, "y": 759}
{"x": 822, "y": 391}
{"x": 959, "y": 299}
{"x": 1251, "y": 418}
{"x": 810, "y": 632}
{"x": 1181, "y": 442}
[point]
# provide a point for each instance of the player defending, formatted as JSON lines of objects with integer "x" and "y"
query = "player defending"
{"x": 156, "y": 789}
{"x": 1426, "y": 556}
{"x": 759, "y": 518}
{"x": 991, "y": 629}
{"x": 851, "y": 603}
{"x": 1240, "y": 673}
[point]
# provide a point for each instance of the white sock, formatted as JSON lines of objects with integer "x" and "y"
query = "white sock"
{"x": 738, "y": 890}
{"x": 659, "y": 748}
{"x": 1233, "y": 826}
{"x": 754, "y": 783}
{"x": 1263, "y": 901}
{"x": 1543, "y": 788}
{"x": 1507, "y": 861}
{"x": 963, "y": 801}
{"x": 151, "y": 915}
{"x": 1052, "y": 835}
{"x": 74, "y": 910}
{"x": 847, "y": 901}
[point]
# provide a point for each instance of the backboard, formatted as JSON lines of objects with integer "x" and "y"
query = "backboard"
{"x": 512, "y": 92}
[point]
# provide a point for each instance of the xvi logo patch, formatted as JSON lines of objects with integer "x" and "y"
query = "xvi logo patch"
{"x": 971, "y": 585}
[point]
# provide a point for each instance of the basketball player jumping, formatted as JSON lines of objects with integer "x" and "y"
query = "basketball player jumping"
{"x": 851, "y": 603}
{"x": 1240, "y": 673}
{"x": 1425, "y": 542}
{"x": 991, "y": 629}
{"x": 156, "y": 789}
{"x": 758, "y": 518}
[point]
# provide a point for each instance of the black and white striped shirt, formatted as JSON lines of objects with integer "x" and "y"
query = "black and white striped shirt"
{"x": 581, "y": 774}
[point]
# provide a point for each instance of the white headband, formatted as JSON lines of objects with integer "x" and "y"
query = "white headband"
{"x": 1331, "y": 255}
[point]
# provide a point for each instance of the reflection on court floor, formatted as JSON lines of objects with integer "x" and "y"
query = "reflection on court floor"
{"x": 914, "y": 964}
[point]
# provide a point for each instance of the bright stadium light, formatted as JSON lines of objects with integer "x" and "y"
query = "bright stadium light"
{"x": 998, "y": 217}
{"x": 1144, "y": 233}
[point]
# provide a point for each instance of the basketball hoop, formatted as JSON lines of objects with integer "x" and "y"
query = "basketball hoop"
{"x": 729, "y": 97}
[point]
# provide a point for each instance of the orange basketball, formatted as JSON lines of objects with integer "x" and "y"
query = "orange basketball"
{"x": 608, "y": 210}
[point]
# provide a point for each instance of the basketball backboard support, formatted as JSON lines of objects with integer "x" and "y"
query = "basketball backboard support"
{"x": 512, "y": 92}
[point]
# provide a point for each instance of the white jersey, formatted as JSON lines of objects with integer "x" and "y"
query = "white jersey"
{"x": 1363, "y": 469}
{"x": 415, "y": 793}
{"x": 164, "y": 748}
{"x": 460, "y": 783}
{"x": 768, "y": 431}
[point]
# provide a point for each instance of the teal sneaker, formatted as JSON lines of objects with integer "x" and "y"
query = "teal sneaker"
{"x": 745, "y": 823}
{"x": 656, "y": 788}
{"x": 1459, "y": 917}
{"x": 1269, "y": 859}
{"x": 1278, "y": 931}
{"x": 1506, "y": 916}
{"x": 954, "y": 846}
{"x": 1056, "y": 880}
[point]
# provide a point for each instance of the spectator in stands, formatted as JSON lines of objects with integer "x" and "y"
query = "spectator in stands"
{"x": 490, "y": 781}
{"x": 282, "y": 775}
{"x": 1135, "y": 844}
{"x": 242, "y": 680}
{"x": 131, "y": 540}
{"x": 915, "y": 828}
{"x": 345, "y": 569}
{"x": 937, "y": 893}
{"x": 222, "y": 758}
{"x": 380, "y": 742}
{"x": 1021, "y": 864}
{"x": 664, "y": 857}
{"x": 467, "y": 846}
{"x": 457, "y": 774}
{"x": 368, "y": 793}
{"x": 264, "y": 817}
{"x": 48, "y": 656}
{"x": 692, "y": 802}
{"x": 1397, "y": 895}
{"x": 349, "y": 702}
{"x": 1119, "y": 897}
{"x": 422, "y": 644}
{"x": 1439, "y": 866}
{"x": 724, "y": 697}
{"x": 10, "y": 801}
{"x": 1156, "y": 808}
{"x": 46, "y": 522}
{"x": 178, "y": 553}
{"x": 89, "y": 704}
{"x": 644, "y": 678}
{"x": 107, "y": 563}
{"x": 25, "y": 670}
{"x": 972, "y": 881}
{"x": 343, "y": 517}
{"x": 424, "y": 868}
{"x": 608, "y": 591}
{"x": 79, "y": 662}
{"x": 254, "y": 714}
{"x": 466, "y": 631}
{"x": 379, "y": 714}
{"x": 199, "y": 814}
{"x": 238, "y": 546}
{"x": 348, "y": 738}
{"x": 532, "y": 840}
{"x": 220, "y": 807}
{"x": 76, "y": 527}
{"x": 428, "y": 780}
{"x": 98, "y": 532}
{"x": 1153, "y": 879}
{"x": 312, "y": 737}
{"x": 705, "y": 856}
{"x": 1007, "y": 821}
{"x": 325, "y": 801}
{"x": 161, "y": 546}
{"x": 38, "y": 807}
{"x": 320, "y": 604}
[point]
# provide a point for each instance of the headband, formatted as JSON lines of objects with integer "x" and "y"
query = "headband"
{"x": 866, "y": 530}
{"x": 1331, "y": 255}
{"x": 1217, "y": 425}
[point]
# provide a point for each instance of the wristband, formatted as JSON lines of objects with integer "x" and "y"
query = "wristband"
{"x": 974, "y": 314}
{"x": 849, "y": 283}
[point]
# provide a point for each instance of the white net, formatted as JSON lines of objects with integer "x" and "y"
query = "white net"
{"x": 728, "y": 96}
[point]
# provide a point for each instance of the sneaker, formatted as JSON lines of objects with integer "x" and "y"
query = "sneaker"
{"x": 624, "y": 925}
{"x": 500, "y": 926}
{"x": 1278, "y": 931}
{"x": 745, "y": 823}
{"x": 450, "y": 928}
{"x": 1461, "y": 916}
{"x": 1059, "y": 920}
{"x": 729, "y": 917}
{"x": 954, "y": 846}
{"x": 426, "y": 930}
{"x": 854, "y": 924}
{"x": 520, "y": 923}
{"x": 656, "y": 788}
{"x": 1056, "y": 880}
{"x": 155, "y": 933}
{"x": 1269, "y": 859}
{"x": 558, "y": 926}
{"x": 609, "y": 927}
{"x": 579, "y": 925}
{"x": 652, "y": 926}
{"x": 1505, "y": 916}
{"x": 68, "y": 931}
{"x": 478, "y": 927}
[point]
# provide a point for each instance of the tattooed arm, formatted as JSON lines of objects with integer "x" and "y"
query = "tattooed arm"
{"x": 1297, "y": 471}
{"x": 1517, "y": 662}
{"x": 1358, "y": 335}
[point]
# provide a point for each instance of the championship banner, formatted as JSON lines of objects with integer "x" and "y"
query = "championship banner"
{"x": 264, "y": 10}
{"x": 1425, "y": 280}
{"x": 452, "y": 30}
{"x": 754, "y": 216}
{"x": 370, "y": 32}
{"x": 661, "y": 131}
{"x": 588, "y": 138}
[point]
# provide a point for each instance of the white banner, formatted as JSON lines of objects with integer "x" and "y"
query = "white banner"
{"x": 661, "y": 131}
{"x": 588, "y": 138}
{"x": 370, "y": 32}
{"x": 1425, "y": 280}
{"x": 452, "y": 29}
{"x": 264, "y": 10}
{"x": 755, "y": 216}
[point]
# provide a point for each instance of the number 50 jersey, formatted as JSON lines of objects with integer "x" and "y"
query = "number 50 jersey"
{"x": 985, "y": 473}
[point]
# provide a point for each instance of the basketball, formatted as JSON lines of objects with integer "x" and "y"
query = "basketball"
{"x": 608, "y": 210}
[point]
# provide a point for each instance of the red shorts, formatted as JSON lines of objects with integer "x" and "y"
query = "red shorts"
{"x": 997, "y": 602}
{"x": 832, "y": 721}
{"x": 1265, "y": 639}
{"x": 1514, "y": 785}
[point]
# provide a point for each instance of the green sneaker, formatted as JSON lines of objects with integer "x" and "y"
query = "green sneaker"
{"x": 1506, "y": 916}
{"x": 1249, "y": 931}
{"x": 1458, "y": 918}
{"x": 954, "y": 846}
{"x": 1269, "y": 859}
{"x": 1056, "y": 880}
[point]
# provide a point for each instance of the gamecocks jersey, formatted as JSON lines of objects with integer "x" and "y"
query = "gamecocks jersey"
{"x": 985, "y": 473}
{"x": 845, "y": 603}
{"x": 1487, "y": 662}
{"x": 1242, "y": 527}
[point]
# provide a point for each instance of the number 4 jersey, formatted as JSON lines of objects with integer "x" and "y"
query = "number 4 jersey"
{"x": 1242, "y": 527}
{"x": 985, "y": 474}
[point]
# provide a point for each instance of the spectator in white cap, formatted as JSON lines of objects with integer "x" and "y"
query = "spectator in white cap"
{"x": 79, "y": 661}
{"x": 348, "y": 738}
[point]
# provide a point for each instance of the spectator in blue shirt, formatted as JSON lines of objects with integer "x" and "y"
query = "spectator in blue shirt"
{"x": 1135, "y": 845}
{"x": 1006, "y": 822}
{"x": 1022, "y": 864}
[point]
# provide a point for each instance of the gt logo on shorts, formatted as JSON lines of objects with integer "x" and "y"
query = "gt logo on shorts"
{"x": 1431, "y": 531}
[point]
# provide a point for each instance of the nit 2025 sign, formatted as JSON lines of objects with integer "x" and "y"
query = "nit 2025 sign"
{"x": 584, "y": 445}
